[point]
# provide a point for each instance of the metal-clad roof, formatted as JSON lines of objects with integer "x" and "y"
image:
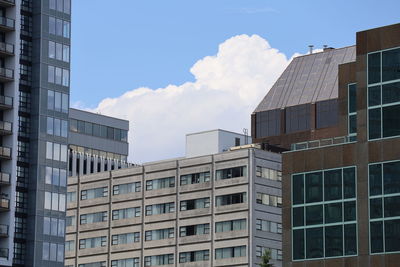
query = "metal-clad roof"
{"x": 308, "y": 79}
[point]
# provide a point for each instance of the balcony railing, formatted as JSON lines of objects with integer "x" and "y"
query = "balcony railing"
{"x": 4, "y": 253}
{"x": 6, "y": 102}
{"x": 3, "y": 230}
{"x": 7, "y": 2}
{"x": 4, "y": 178}
{"x": 4, "y": 203}
{"x": 7, "y": 23}
{"x": 321, "y": 143}
{"x": 6, "y": 48}
{"x": 5, "y": 152}
{"x": 5, "y": 127}
{"x": 6, "y": 74}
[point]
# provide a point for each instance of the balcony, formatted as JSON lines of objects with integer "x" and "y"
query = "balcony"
{"x": 7, "y": 3}
{"x": 6, "y": 49}
{"x": 5, "y": 128}
{"x": 3, "y": 230}
{"x": 5, "y": 152}
{"x": 4, "y": 178}
{"x": 6, "y": 75}
{"x": 4, "y": 204}
{"x": 4, "y": 253}
{"x": 7, "y": 24}
{"x": 6, "y": 102}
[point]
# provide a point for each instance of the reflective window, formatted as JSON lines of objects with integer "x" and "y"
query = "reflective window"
{"x": 192, "y": 256}
{"x": 230, "y": 252}
{"x": 268, "y": 123}
{"x": 298, "y": 118}
{"x": 159, "y": 234}
{"x": 327, "y": 113}
{"x": 232, "y": 225}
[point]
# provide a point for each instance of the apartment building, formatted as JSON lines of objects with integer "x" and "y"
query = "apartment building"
{"x": 340, "y": 191}
{"x": 96, "y": 143}
{"x": 214, "y": 210}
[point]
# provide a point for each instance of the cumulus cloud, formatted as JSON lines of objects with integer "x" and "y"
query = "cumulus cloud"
{"x": 226, "y": 89}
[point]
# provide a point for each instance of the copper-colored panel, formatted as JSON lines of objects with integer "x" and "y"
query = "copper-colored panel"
{"x": 374, "y": 151}
{"x": 349, "y": 155}
{"x": 332, "y": 157}
{"x": 334, "y": 262}
{"x": 313, "y": 160}
{"x": 392, "y": 260}
{"x": 390, "y": 149}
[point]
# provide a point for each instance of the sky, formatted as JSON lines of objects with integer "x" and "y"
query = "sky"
{"x": 181, "y": 66}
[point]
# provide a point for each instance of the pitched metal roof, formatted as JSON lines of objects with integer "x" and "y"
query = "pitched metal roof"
{"x": 308, "y": 79}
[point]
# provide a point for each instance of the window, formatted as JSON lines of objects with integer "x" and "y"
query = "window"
{"x": 352, "y": 111}
{"x": 231, "y": 252}
{"x": 94, "y": 193}
{"x": 70, "y": 245}
{"x": 195, "y": 178}
{"x": 58, "y": 51}
{"x": 231, "y": 199}
{"x": 58, "y": 76}
{"x": 159, "y": 234}
{"x": 324, "y": 214}
{"x": 56, "y": 176}
{"x": 53, "y": 252}
{"x": 160, "y": 208}
{"x": 133, "y": 262}
{"x": 231, "y": 173}
{"x": 269, "y": 200}
{"x": 94, "y": 264}
{"x": 327, "y": 113}
{"x": 57, "y": 101}
{"x": 276, "y": 254}
{"x": 198, "y": 229}
{"x": 192, "y": 256}
{"x": 126, "y": 188}
{"x": 128, "y": 238}
{"x": 268, "y": 226}
{"x": 59, "y": 27}
{"x": 71, "y": 197}
{"x": 70, "y": 221}
{"x": 192, "y": 204}
{"x": 126, "y": 213}
{"x": 268, "y": 123}
{"x": 54, "y": 201}
{"x": 93, "y": 217}
{"x": 384, "y": 200}
{"x": 61, "y": 6}
{"x": 383, "y": 97}
{"x": 159, "y": 260}
{"x": 160, "y": 183}
{"x": 270, "y": 174}
{"x": 232, "y": 225}
{"x": 298, "y": 118}
{"x": 94, "y": 242}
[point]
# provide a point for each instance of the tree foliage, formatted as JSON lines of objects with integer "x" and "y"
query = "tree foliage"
{"x": 265, "y": 258}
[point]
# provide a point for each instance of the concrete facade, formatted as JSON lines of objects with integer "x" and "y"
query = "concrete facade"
{"x": 202, "y": 194}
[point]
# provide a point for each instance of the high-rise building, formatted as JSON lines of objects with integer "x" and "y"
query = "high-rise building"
{"x": 341, "y": 190}
{"x": 96, "y": 143}
{"x": 34, "y": 96}
{"x": 218, "y": 209}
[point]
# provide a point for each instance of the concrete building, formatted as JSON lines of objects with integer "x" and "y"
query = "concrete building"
{"x": 340, "y": 188}
{"x": 34, "y": 96}
{"x": 96, "y": 143}
{"x": 216, "y": 210}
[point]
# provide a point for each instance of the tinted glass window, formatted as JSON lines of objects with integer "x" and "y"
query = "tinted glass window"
{"x": 374, "y": 68}
{"x": 333, "y": 184}
{"x": 314, "y": 214}
{"x": 350, "y": 239}
{"x": 334, "y": 241}
{"x": 268, "y": 123}
{"x": 352, "y": 98}
{"x": 392, "y": 205}
{"x": 349, "y": 182}
{"x": 297, "y": 118}
{"x": 374, "y": 123}
{"x": 298, "y": 189}
{"x": 376, "y": 231}
{"x": 391, "y": 121}
{"x": 390, "y": 93}
{"x": 392, "y": 235}
{"x": 298, "y": 244}
{"x": 374, "y": 95}
{"x": 375, "y": 179}
{"x": 391, "y": 174}
{"x": 390, "y": 65}
{"x": 349, "y": 211}
{"x": 313, "y": 187}
{"x": 314, "y": 241}
{"x": 327, "y": 113}
{"x": 298, "y": 216}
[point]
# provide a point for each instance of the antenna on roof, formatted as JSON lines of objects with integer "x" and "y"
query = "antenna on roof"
{"x": 311, "y": 48}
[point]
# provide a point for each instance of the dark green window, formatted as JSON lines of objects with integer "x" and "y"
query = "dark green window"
{"x": 333, "y": 184}
{"x": 333, "y": 212}
{"x": 324, "y": 225}
{"x": 374, "y": 95}
{"x": 314, "y": 243}
{"x": 391, "y": 65}
{"x": 392, "y": 235}
{"x": 390, "y": 93}
{"x": 374, "y": 68}
{"x": 313, "y": 187}
{"x": 376, "y": 232}
{"x": 298, "y": 249}
{"x": 374, "y": 125}
{"x": 314, "y": 214}
{"x": 384, "y": 211}
{"x": 391, "y": 121}
{"x": 334, "y": 241}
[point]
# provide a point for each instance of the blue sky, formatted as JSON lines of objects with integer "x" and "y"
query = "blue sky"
{"x": 121, "y": 45}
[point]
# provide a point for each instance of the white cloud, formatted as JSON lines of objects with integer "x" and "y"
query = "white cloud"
{"x": 227, "y": 88}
